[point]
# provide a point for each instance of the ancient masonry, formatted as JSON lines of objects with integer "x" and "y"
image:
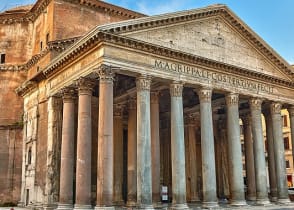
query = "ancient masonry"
{"x": 101, "y": 107}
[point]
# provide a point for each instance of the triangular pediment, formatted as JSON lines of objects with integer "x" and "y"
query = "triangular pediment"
{"x": 219, "y": 37}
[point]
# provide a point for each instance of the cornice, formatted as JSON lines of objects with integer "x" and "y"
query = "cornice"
{"x": 40, "y": 5}
{"x": 25, "y": 88}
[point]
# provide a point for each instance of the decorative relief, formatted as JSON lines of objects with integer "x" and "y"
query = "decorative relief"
{"x": 275, "y": 108}
{"x": 232, "y": 99}
{"x": 132, "y": 103}
{"x": 143, "y": 83}
{"x": 85, "y": 85}
{"x": 154, "y": 97}
{"x": 176, "y": 89}
{"x": 204, "y": 94}
{"x": 118, "y": 110}
{"x": 105, "y": 73}
{"x": 255, "y": 103}
{"x": 68, "y": 94}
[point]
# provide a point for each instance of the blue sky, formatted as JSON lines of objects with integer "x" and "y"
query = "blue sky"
{"x": 271, "y": 19}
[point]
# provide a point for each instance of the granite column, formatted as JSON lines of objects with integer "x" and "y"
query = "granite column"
{"x": 234, "y": 150}
{"x": 84, "y": 142}
{"x": 259, "y": 156}
{"x": 67, "y": 150}
{"x": 144, "y": 168}
{"x": 178, "y": 147}
{"x": 105, "y": 139}
{"x": 207, "y": 149}
{"x": 279, "y": 152}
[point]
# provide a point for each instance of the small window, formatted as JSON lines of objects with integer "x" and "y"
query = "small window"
{"x": 286, "y": 143}
{"x": 29, "y": 156}
{"x": 41, "y": 46}
{"x": 287, "y": 164}
{"x": 2, "y": 58}
{"x": 47, "y": 38}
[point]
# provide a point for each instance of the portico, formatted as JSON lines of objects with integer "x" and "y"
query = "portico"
{"x": 143, "y": 83}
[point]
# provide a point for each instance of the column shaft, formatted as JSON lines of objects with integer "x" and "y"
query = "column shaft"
{"x": 207, "y": 149}
{"x": 249, "y": 159}
{"x": 177, "y": 147}
{"x": 279, "y": 152}
{"x": 105, "y": 139}
{"x": 155, "y": 147}
{"x": 84, "y": 142}
{"x": 132, "y": 153}
{"x": 259, "y": 157}
{"x": 194, "y": 196}
{"x": 271, "y": 155}
{"x": 144, "y": 170}
{"x": 67, "y": 151}
{"x": 118, "y": 154}
{"x": 234, "y": 149}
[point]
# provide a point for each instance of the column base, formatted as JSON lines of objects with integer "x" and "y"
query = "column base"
{"x": 83, "y": 207}
{"x": 63, "y": 206}
{"x": 209, "y": 205}
{"x": 104, "y": 208}
{"x": 131, "y": 203}
{"x": 283, "y": 201}
{"x": 157, "y": 204}
{"x": 179, "y": 206}
{"x": 262, "y": 202}
{"x": 251, "y": 198}
{"x": 49, "y": 207}
{"x": 119, "y": 203}
{"x": 238, "y": 203}
{"x": 144, "y": 206}
{"x": 274, "y": 199}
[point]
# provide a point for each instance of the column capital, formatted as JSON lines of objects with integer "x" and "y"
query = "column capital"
{"x": 204, "y": 94}
{"x": 118, "y": 110}
{"x": 191, "y": 120}
{"x": 154, "y": 97}
{"x": 68, "y": 94}
{"x": 132, "y": 103}
{"x": 275, "y": 108}
{"x": 85, "y": 85}
{"x": 105, "y": 73}
{"x": 246, "y": 119}
{"x": 176, "y": 89}
{"x": 255, "y": 103}
{"x": 143, "y": 82}
{"x": 232, "y": 99}
{"x": 291, "y": 110}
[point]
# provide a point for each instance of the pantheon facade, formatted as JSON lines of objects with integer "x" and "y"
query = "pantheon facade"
{"x": 147, "y": 103}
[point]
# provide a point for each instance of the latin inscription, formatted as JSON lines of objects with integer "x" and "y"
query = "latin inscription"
{"x": 234, "y": 81}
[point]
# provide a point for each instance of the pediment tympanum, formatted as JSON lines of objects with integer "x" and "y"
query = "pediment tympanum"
{"x": 211, "y": 38}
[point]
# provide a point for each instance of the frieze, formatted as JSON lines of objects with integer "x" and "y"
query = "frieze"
{"x": 234, "y": 81}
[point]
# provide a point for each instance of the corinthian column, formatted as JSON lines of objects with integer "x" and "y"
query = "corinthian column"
{"x": 132, "y": 153}
{"x": 279, "y": 152}
{"x": 155, "y": 147}
{"x": 234, "y": 150}
{"x": 270, "y": 154}
{"x": 67, "y": 150}
{"x": 178, "y": 147}
{"x": 249, "y": 158}
{"x": 118, "y": 154}
{"x": 105, "y": 139}
{"x": 84, "y": 142}
{"x": 207, "y": 149}
{"x": 144, "y": 173}
{"x": 259, "y": 157}
{"x": 291, "y": 115}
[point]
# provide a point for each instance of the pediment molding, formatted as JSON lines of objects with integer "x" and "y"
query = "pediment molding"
{"x": 218, "y": 10}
